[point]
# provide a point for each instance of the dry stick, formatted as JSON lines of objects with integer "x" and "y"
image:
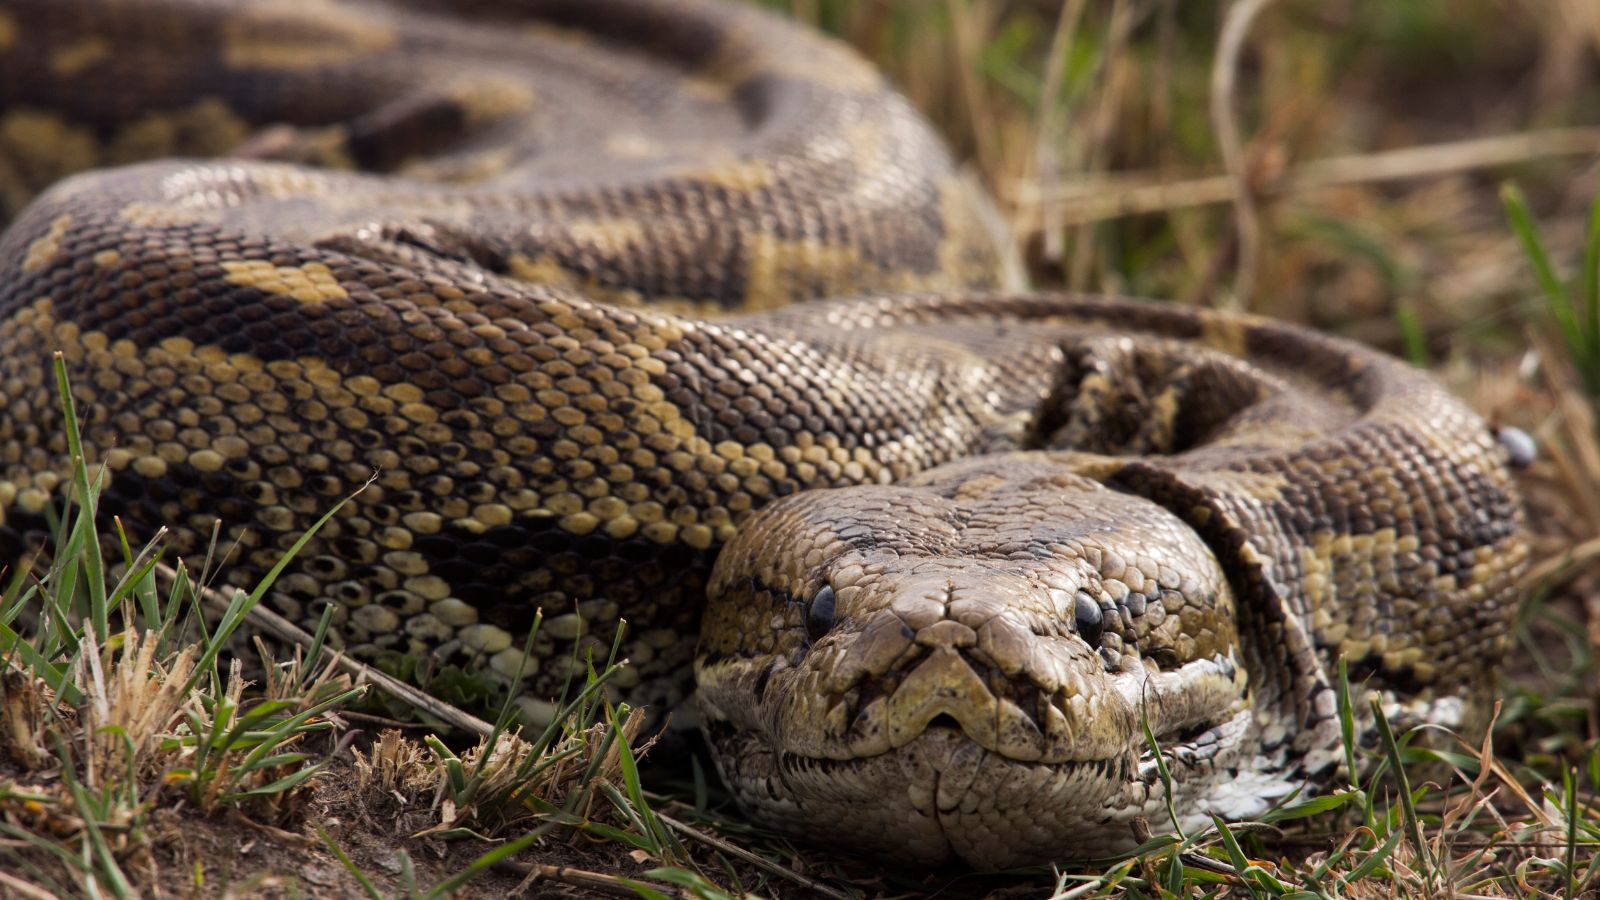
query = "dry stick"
{"x": 288, "y": 632}
{"x": 1137, "y": 194}
{"x": 1225, "y": 122}
{"x": 583, "y": 878}
{"x": 1102, "y": 125}
{"x": 983, "y": 126}
{"x": 23, "y": 888}
{"x": 1578, "y": 457}
{"x": 1556, "y": 569}
{"x": 1046, "y": 166}
{"x": 765, "y": 865}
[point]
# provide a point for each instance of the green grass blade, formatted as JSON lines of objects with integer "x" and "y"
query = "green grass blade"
{"x": 1347, "y": 720}
{"x": 349, "y": 864}
{"x": 106, "y": 861}
{"x": 1413, "y": 337}
{"x": 314, "y": 652}
{"x": 480, "y": 865}
{"x": 242, "y": 603}
{"x": 1569, "y": 784}
{"x": 1591, "y": 291}
{"x": 295, "y": 724}
{"x": 50, "y": 673}
{"x": 1556, "y": 296}
{"x": 140, "y": 581}
{"x": 1161, "y": 769}
{"x": 1374, "y": 860}
{"x": 282, "y": 785}
{"x": 88, "y": 501}
{"x": 1408, "y": 808}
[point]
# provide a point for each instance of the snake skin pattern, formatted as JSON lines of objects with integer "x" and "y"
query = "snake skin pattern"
{"x": 966, "y": 541}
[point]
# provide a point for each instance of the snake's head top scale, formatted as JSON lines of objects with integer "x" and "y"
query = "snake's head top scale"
{"x": 960, "y": 666}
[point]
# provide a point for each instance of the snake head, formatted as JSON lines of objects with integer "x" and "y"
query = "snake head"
{"x": 962, "y": 665}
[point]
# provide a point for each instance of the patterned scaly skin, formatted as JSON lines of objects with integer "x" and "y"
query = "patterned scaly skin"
{"x": 1217, "y": 510}
{"x": 1099, "y": 509}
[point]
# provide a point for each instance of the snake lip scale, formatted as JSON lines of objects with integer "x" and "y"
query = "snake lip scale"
{"x": 925, "y": 560}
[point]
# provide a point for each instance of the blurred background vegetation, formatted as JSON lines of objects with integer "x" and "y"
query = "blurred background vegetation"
{"x": 1072, "y": 112}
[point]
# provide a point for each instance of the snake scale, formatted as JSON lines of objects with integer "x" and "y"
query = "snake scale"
{"x": 933, "y": 555}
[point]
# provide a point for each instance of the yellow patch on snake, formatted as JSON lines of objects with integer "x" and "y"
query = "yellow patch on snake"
{"x": 45, "y": 147}
{"x": 44, "y": 248}
{"x": 296, "y": 35}
{"x": 735, "y": 175}
{"x": 142, "y": 213}
{"x": 1226, "y": 335}
{"x": 544, "y": 269}
{"x": 485, "y": 100}
{"x": 630, "y": 145}
{"x": 1345, "y": 571}
{"x": 608, "y": 235}
{"x": 547, "y": 270}
{"x": 75, "y": 57}
{"x": 310, "y": 283}
{"x": 462, "y": 168}
{"x": 206, "y": 128}
{"x": 780, "y": 272}
{"x": 546, "y": 31}
{"x": 706, "y": 87}
{"x": 741, "y": 58}
{"x": 973, "y": 229}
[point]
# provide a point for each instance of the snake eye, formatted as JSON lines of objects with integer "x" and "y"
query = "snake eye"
{"x": 819, "y": 613}
{"x": 1089, "y": 619}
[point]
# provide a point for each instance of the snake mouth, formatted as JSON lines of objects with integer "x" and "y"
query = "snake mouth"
{"x": 942, "y": 798}
{"x": 1120, "y": 769}
{"x": 1137, "y": 763}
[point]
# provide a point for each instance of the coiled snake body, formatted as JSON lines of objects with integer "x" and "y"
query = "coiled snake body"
{"x": 967, "y": 543}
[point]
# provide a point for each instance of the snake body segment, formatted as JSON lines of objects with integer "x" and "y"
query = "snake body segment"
{"x": 966, "y": 541}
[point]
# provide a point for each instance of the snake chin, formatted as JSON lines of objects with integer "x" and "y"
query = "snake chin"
{"x": 943, "y": 797}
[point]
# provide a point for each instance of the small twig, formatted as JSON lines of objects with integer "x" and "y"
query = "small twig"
{"x": 765, "y": 865}
{"x": 1092, "y": 200}
{"x": 978, "y": 111}
{"x": 1225, "y": 122}
{"x": 383, "y": 721}
{"x": 1558, "y": 568}
{"x": 583, "y": 878}
{"x": 278, "y": 834}
{"x": 1046, "y": 164}
{"x": 284, "y": 630}
{"x": 1111, "y": 75}
{"x": 23, "y": 888}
